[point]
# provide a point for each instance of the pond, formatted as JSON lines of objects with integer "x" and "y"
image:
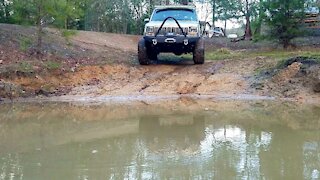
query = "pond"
{"x": 168, "y": 139}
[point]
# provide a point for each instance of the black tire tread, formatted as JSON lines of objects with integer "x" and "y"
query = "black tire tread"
{"x": 198, "y": 53}
{"x": 142, "y": 53}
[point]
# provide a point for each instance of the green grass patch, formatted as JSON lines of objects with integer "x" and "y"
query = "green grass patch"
{"x": 67, "y": 34}
{"x": 25, "y": 43}
{"x": 52, "y": 65}
{"x": 222, "y": 54}
{"x": 25, "y": 67}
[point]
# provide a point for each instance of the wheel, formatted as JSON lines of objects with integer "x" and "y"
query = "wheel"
{"x": 142, "y": 53}
{"x": 198, "y": 52}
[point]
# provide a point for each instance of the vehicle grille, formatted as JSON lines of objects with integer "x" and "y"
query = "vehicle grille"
{"x": 175, "y": 30}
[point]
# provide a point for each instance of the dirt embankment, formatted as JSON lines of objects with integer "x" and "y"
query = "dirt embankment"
{"x": 101, "y": 64}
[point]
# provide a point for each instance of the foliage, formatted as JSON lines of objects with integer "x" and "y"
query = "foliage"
{"x": 127, "y": 16}
{"x": 46, "y": 12}
{"x": 284, "y": 19}
{"x": 5, "y": 8}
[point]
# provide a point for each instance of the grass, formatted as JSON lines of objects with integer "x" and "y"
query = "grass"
{"x": 222, "y": 54}
{"x": 67, "y": 34}
{"x": 52, "y": 65}
{"x": 25, "y": 43}
{"x": 25, "y": 67}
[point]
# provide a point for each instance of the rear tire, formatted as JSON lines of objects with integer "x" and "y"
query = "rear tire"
{"x": 198, "y": 53}
{"x": 142, "y": 53}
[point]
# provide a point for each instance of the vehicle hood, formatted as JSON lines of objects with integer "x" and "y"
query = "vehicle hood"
{"x": 171, "y": 23}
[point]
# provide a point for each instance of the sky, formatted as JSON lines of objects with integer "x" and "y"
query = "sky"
{"x": 205, "y": 14}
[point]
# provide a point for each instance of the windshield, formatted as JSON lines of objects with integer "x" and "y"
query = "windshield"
{"x": 179, "y": 14}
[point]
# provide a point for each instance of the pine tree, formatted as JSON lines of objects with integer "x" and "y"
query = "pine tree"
{"x": 59, "y": 13}
{"x": 284, "y": 18}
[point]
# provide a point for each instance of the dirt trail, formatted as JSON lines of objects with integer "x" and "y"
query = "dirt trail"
{"x": 101, "y": 41}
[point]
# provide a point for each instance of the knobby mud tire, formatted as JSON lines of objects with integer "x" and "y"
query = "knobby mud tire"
{"x": 198, "y": 53}
{"x": 143, "y": 53}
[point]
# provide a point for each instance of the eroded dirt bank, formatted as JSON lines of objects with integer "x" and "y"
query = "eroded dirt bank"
{"x": 93, "y": 64}
{"x": 221, "y": 78}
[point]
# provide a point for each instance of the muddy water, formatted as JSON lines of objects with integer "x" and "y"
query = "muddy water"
{"x": 182, "y": 139}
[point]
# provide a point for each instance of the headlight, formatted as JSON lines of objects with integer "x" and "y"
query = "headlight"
{"x": 149, "y": 31}
{"x": 193, "y": 31}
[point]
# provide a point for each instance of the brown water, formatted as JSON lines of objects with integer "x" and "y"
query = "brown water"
{"x": 183, "y": 139}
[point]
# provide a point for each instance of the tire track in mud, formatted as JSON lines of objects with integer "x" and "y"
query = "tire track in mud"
{"x": 179, "y": 77}
{"x": 163, "y": 79}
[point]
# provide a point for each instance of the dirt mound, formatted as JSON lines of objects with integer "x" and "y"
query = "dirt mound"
{"x": 288, "y": 73}
{"x": 314, "y": 74}
{"x": 296, "y": 78}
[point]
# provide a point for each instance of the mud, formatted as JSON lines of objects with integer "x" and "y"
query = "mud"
{"x": 297, "y": 78}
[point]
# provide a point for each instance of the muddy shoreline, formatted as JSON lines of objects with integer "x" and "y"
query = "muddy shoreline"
{"x": 147, "y": 99}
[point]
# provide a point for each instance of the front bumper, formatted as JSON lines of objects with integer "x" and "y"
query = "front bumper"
{"x": 174, "y": 44}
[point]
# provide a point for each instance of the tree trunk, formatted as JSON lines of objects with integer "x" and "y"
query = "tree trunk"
{"x": 213, "y": 12}
{"x": 225, "y": 27}
{"x": 248, "y": 33}
{"x": 39, "y": 24}
{"x": 66, "y": 23}
{"x": 66, "y": 18}
{"x": 285, "y": 43}
{"x": 261, "y": 11}
{"x": 151, "y": 5}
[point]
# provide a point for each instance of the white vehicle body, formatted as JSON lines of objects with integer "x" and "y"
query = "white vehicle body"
{"x": 216, "y": 32}
{"x": 191, "y": 27}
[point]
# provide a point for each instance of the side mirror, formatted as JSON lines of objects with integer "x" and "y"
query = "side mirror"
{"x": 146, "y": 20}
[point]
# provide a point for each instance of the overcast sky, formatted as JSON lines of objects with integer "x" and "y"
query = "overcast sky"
{"x": 205, "y": 14}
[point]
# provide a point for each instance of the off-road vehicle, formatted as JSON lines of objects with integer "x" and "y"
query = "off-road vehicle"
{"x": 172, "y": 29}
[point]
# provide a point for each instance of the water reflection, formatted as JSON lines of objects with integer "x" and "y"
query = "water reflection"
{"x": 62, "y": 141}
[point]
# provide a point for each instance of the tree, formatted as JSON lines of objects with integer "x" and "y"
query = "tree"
{"x": 213, "y": 12}
{"x": 5, "y": 8}
{"x": 284, "y": 19}
{"x": 44, "y": 12}
{"x": 246, "y": 9}
{"x": 226, "y": 9}
{"x": 67, "y": 13}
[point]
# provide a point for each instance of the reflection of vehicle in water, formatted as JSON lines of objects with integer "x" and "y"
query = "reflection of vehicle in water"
{"x": 173, "y": 134}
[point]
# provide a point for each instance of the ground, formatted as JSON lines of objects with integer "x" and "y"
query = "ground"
{"x": 91, "y": 64}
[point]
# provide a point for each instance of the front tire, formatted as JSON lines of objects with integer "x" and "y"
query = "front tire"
{"x": 198, "y": 53}
{"x": 142, "y": 53}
